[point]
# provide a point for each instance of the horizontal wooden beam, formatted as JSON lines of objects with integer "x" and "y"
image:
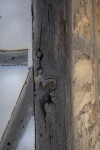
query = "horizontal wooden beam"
{"x": 81, "y": 44}
{"x": 84, "y": 46}
{"x": 20, "y": 116}
{"x": 13, "y": 57}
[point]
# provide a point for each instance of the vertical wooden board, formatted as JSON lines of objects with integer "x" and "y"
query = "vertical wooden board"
{"x": 97, "y": 21}
{"x": 97, "y": 45}
{"x": 99, "y": 80}
{"x": 52, "y": 36}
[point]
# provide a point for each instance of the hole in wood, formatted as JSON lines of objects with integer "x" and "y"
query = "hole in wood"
{"x": 8, "y": 143}
{"x": 50, "y": 137}
{"x": 21, "y": 121}
{"x": 13, "y": 58}
{"x": 41, "y": 135}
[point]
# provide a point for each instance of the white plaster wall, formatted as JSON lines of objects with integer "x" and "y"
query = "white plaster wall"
{"x": 15, "y": 24}
{"x": 28, "y": 140}
{"x": 15, "y": 34}
{"x": 11, "y": 83}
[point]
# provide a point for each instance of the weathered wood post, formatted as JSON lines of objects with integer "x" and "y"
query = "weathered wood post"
{"x": 52, "y": 72}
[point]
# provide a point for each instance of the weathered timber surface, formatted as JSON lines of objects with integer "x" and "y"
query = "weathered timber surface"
{"x": 52, "y": 37}
{"x": 20, "y": 116}
{"x": 81, "y": 44}
{"x": 12, "y": 58}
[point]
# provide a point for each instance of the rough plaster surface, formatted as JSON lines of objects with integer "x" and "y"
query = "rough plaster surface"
{"x": 82, "y": 18}
{"x": 85, "y": 89}
{"x": 85, "y": 108}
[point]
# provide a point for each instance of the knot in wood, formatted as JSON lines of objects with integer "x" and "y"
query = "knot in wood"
{"x": 40, "y": 71}
{"x": 38, "y": 54}
{"x": 43, "y": 94}
{"x": 51, "y": 84}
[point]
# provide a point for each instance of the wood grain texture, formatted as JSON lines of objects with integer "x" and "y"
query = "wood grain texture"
{"x": 20, "y": 116}
{"x": 13, "y": 58}
{"x": 52, "y": 36}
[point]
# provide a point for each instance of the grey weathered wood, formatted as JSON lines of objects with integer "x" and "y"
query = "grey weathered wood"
{"x": 98, "y": 52}
{"x": 81, "y": 44}
{"x": 20, "y": 116}
{"x": 12, "y": 58}
{"x": 53, "y": 38}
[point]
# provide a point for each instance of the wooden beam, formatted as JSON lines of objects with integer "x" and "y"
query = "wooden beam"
{"x": 84, "y": 46}
{"x": 98, "y": 52}
{"x": 13, "y": 58}
{"x": 81, "y": 44}
{"x": 52, "y": 40}
{"x": 20, "y": 116}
